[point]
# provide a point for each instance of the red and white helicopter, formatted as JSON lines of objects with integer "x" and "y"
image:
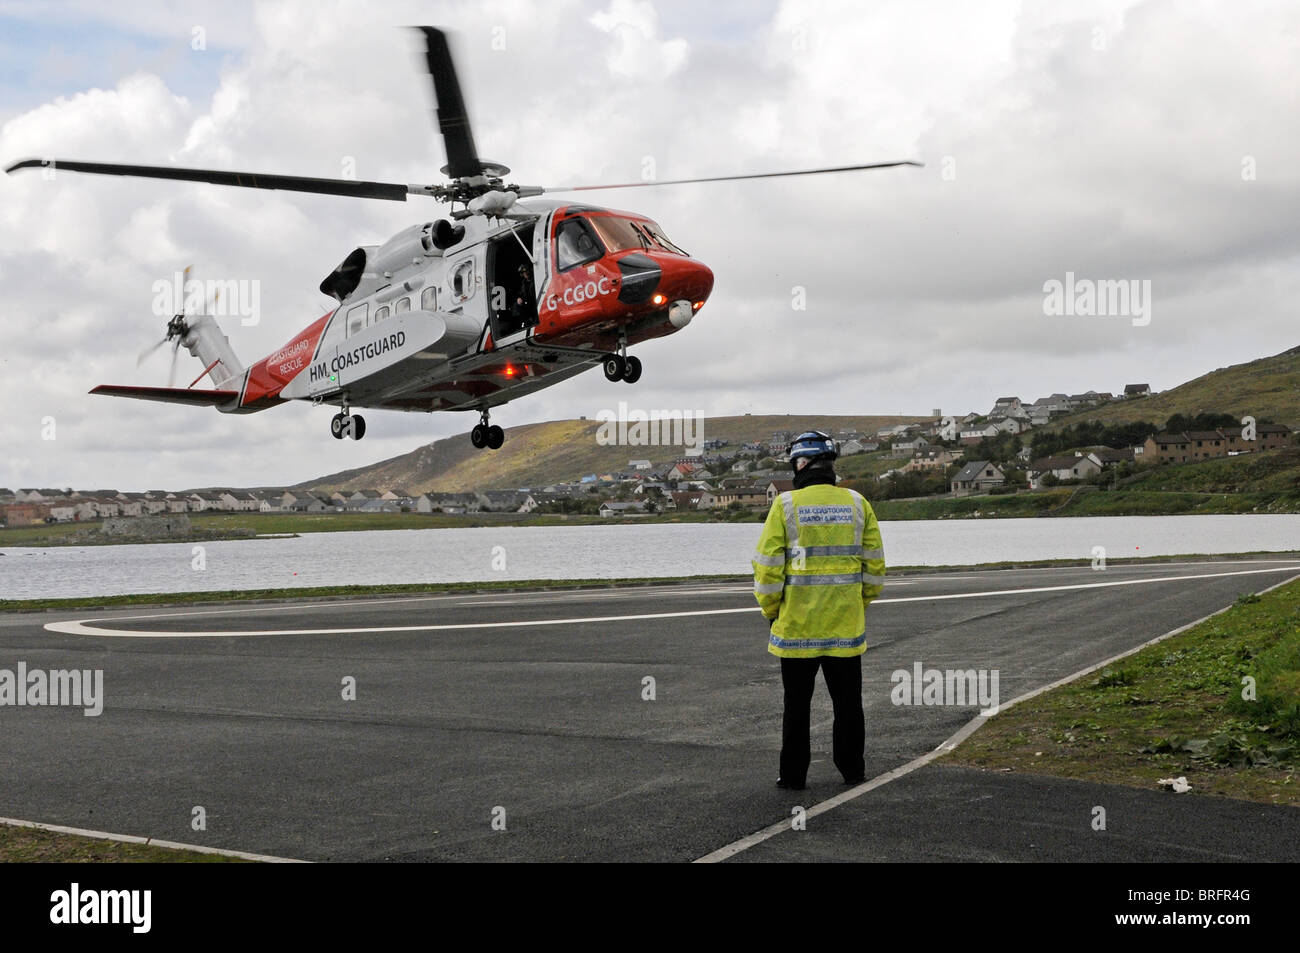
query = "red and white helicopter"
{"x": 499, "y": 301}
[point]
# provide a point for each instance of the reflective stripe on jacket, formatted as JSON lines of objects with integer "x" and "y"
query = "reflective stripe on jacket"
{"x": 818, "y": 564}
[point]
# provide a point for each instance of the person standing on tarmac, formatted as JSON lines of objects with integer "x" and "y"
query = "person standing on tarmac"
{"x": 819, "y": 563}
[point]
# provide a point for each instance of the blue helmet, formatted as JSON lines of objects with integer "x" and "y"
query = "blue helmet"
{"x": 813, "y": 444}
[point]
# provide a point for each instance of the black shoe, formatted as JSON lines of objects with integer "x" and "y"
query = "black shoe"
{"x": 790, "y": 785}
{"x": 854, "y": 782}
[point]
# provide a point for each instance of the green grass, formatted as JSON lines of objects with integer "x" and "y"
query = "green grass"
{"x": 32, "y": 845}
{"x": 1172, "y": 709}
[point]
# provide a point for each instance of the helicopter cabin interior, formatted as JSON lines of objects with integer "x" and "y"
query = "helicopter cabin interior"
{"x": 512, "y": 278}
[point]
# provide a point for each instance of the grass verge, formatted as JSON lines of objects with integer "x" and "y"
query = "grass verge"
{"x": 33, "y": 845}
{"x": 1177, "y": 708}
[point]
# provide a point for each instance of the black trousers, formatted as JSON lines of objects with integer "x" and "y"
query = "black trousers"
{"x": 844, "y": 681}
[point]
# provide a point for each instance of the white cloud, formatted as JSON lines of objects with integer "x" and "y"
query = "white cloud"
{"x": 1112, "y": 162}
{"x": 640, "y": 54}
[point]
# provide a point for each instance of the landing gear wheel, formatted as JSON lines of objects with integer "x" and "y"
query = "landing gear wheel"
{"x": 358, "y": 426}
{"x": 479, "y": 436}
{"x": 336, "y": 426}
{"x": 632, "y": 372}
{"x": 615, "y": 367}
{"x": 495, "y": 437}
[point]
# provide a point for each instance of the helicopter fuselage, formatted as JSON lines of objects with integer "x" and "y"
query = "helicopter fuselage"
{"x": 514, "y": 306}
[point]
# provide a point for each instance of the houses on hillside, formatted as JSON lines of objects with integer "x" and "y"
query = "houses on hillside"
{"x": 1189, "y": 446}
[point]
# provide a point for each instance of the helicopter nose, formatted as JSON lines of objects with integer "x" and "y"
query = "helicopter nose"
{"x": 688, "y": 282}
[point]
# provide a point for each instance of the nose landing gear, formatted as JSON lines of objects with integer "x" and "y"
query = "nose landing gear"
{"x": 622, "y": 366}
{"x": 487, "y": 435}
{"x": 347, "y": 424}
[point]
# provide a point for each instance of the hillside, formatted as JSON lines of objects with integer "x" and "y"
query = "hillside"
{"x": 1268, "y": 388}
{"x": 556, "y": 451}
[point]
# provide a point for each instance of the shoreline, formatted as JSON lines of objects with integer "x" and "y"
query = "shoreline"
{"x": 343, "y": 593}
{"x": 1039, "y": 505}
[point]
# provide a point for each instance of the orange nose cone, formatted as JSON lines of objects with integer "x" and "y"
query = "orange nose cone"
{"x": 688, "y": 280}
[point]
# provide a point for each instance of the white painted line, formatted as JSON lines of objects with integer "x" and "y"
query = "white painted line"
{"x": 148, "y": 841}
{"x": 82, "y": 628}
{"x": 1087, "y": 585}
{"x": 85, "y": 626}
{"x": 968, "y": 729}
{"x": 333, "y": 602}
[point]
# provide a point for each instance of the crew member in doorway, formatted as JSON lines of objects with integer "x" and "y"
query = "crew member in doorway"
{"x": 818, "y": 565}
{"x": 524, "y": 309}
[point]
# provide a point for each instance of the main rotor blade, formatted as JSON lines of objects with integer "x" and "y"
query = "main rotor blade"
{"x": 453, "y": 119}
{"x": 733, "y": 178}
{"x": 247, "y": 180}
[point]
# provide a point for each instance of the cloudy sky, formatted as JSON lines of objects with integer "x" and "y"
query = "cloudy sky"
{"x": 1147, "y": 142}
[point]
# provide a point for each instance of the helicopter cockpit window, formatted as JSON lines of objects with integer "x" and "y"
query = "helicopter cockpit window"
{"x": 575, "y": 244}
{"x": 357, "y": 318}
{"x": 429, "y": 299}
{"x": 657, "y": 234}
{"x": 462, "y": 280}
{"x": 620, "y": 234}
{"x": 381, "y": 314}
{"x": 403, "y": 304}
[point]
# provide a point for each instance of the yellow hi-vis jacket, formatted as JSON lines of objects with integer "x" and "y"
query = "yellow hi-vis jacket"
{"x": 818, "y": 564}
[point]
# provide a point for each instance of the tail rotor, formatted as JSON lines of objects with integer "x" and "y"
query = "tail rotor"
{"x": 179, "y": 326}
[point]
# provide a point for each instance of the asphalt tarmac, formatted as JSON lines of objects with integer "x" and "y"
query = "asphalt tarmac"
{"x": 637, "y": 723}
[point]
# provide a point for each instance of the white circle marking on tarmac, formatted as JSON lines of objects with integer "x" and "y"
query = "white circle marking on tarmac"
{"x": 86, "y": 626}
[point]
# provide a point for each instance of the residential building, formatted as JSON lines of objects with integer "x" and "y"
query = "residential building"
{"x": 932, "y": 458}
{"x": 448, "y": 503}
{"x": 623, "y": 509}
{"x": 1106, "y": 457}
{"x": 777, "y": 487}
{"x": 26, "y": 513}
{"x": 907, "y": 446}
{"x": 1190, "y": 446}
{"x": 1062, "y": 468}
{"x": 976, "y": 476}
{"x": 748, "y": 495}
{"x": 502, "y": 501}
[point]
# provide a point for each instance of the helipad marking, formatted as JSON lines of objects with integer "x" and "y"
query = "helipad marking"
{"x": 85, "y": 626}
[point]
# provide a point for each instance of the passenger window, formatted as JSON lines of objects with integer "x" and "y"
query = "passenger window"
{"x": 403, "y": 304}
{"x": 429, "y": 299}
{"x": 462, "y": 280}
{"x": 381, "y": 314}
{"x": 575, "y": 244}
{"x": 357, "y": 318}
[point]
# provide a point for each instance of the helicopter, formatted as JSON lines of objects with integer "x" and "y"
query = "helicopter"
{"x": 497, "y": 300}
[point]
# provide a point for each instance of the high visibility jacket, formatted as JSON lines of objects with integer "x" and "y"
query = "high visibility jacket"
{"x": 818, "y": 564}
